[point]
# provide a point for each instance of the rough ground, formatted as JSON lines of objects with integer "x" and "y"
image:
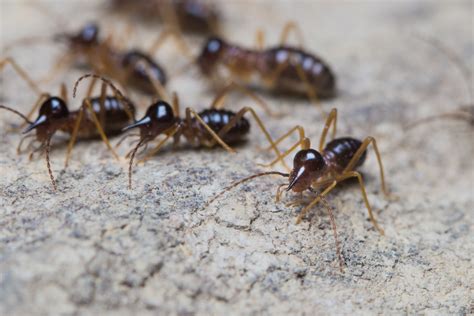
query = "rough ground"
{"x": 96, "y": 247}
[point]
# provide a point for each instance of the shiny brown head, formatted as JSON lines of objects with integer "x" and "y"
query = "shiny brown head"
{"x": 51, "y": 112}
{"x": 210, "y": 54}
{"x": 308, "y": 165}
{"x": 158, "y": 118}
{"x": 87, "y": 36}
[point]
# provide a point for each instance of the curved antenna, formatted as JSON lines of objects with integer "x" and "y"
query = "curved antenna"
{"x": 464, "y": 71}
{"x": 121, "y": 96}
{"x": 233, "y": 185}
{"x": 105, "y": 80}
{"x": 453, "y": 116}
{"x": 48, "y": 164}
{"x": 16, "y": 112}
{"x": 453, "y": 58}
{"x": 124, "y": 138}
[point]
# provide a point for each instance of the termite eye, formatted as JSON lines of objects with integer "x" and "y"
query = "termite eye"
{"x": 54, "y": 107}
{"x": 214, "y": 45}
{"x": 310, "y": 159}
{"x": 161, "y": 111}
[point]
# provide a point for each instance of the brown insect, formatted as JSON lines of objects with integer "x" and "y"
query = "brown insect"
{"x": 195, "y": 16}
{"x": 281, "y": 68}
{"x": 97, "y": 117}
{"x": 464, "y": 112}
{"x": 315, "y": 170}
{"x": 208, "y": 128}
{"x": 130, "y": 67}
{"x": 133, "y": 68}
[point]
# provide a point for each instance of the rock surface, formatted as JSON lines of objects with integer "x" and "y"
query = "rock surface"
{"x": 95, "y": 247}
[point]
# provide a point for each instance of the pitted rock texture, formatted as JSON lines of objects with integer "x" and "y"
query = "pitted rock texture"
{"x": 96, "y": 247}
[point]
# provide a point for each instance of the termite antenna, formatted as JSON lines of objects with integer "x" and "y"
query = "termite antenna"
{"x": 48, "y": 164}
{"x": 453, "y": 116}
{"x": 130, "y": 165}
{"x": 333, "y": 224}
{"x": 462, "y": 114}
{"x": 17, "y": 113}
{"x": 233, "y": 185}
{"x": 107, "y": 82}
{"x": 453, "y": 57}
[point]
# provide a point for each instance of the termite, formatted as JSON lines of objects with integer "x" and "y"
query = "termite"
{"x": 101, "y": 116}
{"x": 322, "y": 169}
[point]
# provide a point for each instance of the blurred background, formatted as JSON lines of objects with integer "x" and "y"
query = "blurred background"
{"x": 96, "y": 247}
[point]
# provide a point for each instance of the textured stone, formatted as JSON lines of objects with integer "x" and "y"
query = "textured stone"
{"x": 95, "y": 247}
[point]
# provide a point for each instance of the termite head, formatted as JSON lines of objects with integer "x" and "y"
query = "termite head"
{"x": 308, "y": 165}
{"x": 52, "y": 110}
{"x": 143, "y": 70}
{"x": 158, "y": 118}
{"x": 87, "y": 36}
{"x": 210, "y": 54}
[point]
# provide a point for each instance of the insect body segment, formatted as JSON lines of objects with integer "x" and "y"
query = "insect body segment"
{"x": 217, "y": 119}
{"x": 101, "y": 116}
{"x": 206, "y": 128}
{"x": 281, "y": 68}
{"x": 308, "y": 164}
{"x": 339, "y": 152}
{"x": 130, "y": 67}
{"x": 322, "y": 170}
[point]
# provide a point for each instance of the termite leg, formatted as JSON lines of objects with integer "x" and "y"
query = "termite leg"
{"x": 238, "y": 117}
{"x": 331, "y": 119}
{"x": 355, "y": 159}
{"x": 169, "y": 133}
{"x": 287, "y": 28}
{"x": 355, "y": 174}
{"x": 190, "y": 112}
{"x": 100, "y": 128}
{"x": 78, "y": 123}
{"x": 176, "y": 36}
{"x": 218, "y": 101}
{"x": 260, "y": 39}
{"x": 305, "y": 144}
{"x": 315, "y": 201}
{"x": 287, "y": 134}
{"x": 21, "y": 72}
